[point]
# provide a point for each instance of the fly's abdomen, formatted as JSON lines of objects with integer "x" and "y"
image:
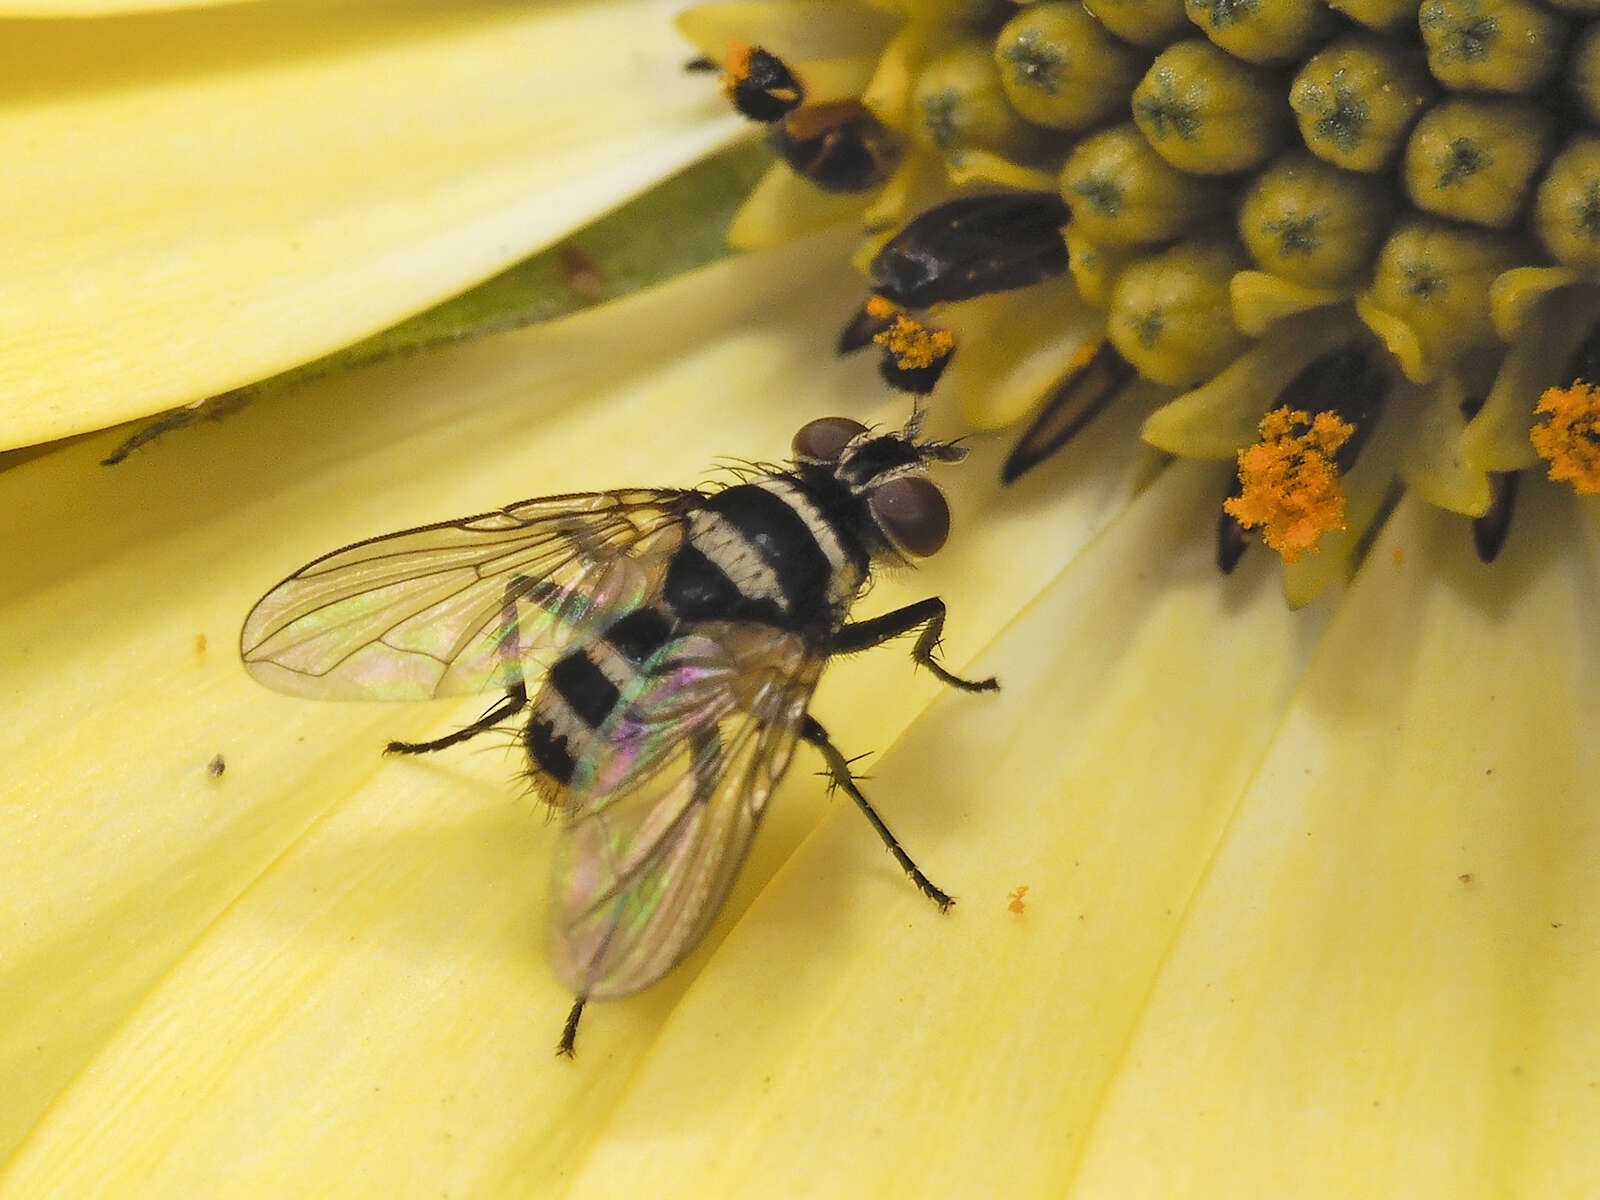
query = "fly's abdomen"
{"x": 764, "y": 552}
{"x": 581, "y": 692}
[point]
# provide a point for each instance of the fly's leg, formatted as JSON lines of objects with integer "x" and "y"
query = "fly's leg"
{"x": 929, "y": 613}
{"x": 516, "y": 697}
{"x": 569, "y": 1031}
{"x": 839, "y": 771}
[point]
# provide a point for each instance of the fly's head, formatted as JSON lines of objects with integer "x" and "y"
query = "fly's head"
{"x": 886, "y": 475}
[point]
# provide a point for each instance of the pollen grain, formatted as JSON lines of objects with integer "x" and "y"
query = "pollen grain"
{"x": 913, "y": 344}
{"x": 1291, "y": 488}
{"x": 1569, "y": 436}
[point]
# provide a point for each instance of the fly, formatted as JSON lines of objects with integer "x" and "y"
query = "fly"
{"x": 661, "y": 648}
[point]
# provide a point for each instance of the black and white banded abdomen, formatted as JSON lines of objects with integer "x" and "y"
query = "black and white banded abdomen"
{"x": 583, "y": 689}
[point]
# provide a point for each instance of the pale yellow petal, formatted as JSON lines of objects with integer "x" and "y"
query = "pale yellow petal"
{"x": 101, "y": 8}
{"x": 195, "y": 200}
{"x": 784, "y": 206}
{"x": 322, "y": 965}
{"x": 1386, "y": 986}
{"x": 847, "y": 1036}
{"x": 797, "y": 30}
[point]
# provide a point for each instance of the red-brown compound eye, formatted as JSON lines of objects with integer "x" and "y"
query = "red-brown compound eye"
{"x": 824, "y": 439}
{"x": 912, "y": 511}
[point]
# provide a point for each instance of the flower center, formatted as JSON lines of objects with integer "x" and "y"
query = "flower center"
{"x": 1239, "y": 190}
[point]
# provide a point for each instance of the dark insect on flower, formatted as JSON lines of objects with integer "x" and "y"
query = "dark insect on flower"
{"x": 665, "y": 645}
{"x": 972, "y": 247}
{"x": 840, "y": 147}
{"x": 760, "y": 84}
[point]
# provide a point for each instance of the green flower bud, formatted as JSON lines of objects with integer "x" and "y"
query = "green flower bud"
{"x": 1583, "y": 73}
{"x": 1205, "y": 111}
{"x": 1169, "y": 312}
{"x": 1490, "y": 45}
{"x": 1382, "y": 15}
{"x": 1312, "y": 223}
{"x": 1356, "y": 99}
{"x": 1061, "y": 69}
{"x": 958, "y": 104}
{"x": 1475, "y": 160}
{"x": 1094, "y": 267}
{"x": 1122, "y": 193}
{"x": 1434, "y": 278}
{"x": 1142, "y": 22}
{"x": 938, "y": 10}
{"x": 1567, "y": 211}
{"x": 1261, "y": 30}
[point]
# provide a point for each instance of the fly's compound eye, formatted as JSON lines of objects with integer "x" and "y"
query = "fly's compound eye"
{"x": 823, "y": 440}
{"x": 912, "y": 511}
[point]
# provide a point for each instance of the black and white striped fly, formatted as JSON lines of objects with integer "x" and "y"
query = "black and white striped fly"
{"x": 664, "y": 644}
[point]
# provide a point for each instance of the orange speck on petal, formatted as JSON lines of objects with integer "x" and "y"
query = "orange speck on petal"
{"x": 1015, "y": 899}
{"x": 1569, "y": 436}
{"x": 199, "y": 643}
{"x": 1398, "y": 556}
{"x": 1291, "y": 488}
{"x": 1083, "y": 356}
{"x": 913, "y": 344}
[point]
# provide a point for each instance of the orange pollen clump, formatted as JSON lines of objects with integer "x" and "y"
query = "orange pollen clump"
{"x": 913, "y": 344}
{"x": 735, "y": 66}
{"x": 1569, "y": 437}
{"x": 1291, "y": 487}
{"x": 880, "y": 308}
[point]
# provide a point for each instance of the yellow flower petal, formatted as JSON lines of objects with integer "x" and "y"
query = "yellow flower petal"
{"x": 1386, "y": 984}
{"x": 784, "y": 206}
{"x": 797, "y": 30}
{"x": 849, "y": 1036}
{"x": 101, "y": 8}
{"x": 169, "y": 234}
{"x": 321, "y": 965}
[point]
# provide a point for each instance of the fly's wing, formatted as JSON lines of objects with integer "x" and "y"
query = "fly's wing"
{"x": 665, "y": 800}
{"x": 464, "y": 606}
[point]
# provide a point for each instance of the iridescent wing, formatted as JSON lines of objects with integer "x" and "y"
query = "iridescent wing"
{"x": 464, "y": 606}
{"x": 666, "y": 799}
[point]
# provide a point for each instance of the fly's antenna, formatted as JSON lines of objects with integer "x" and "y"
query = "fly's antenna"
{"x": 936, "y": 451}
{"x": 919, "y": 416}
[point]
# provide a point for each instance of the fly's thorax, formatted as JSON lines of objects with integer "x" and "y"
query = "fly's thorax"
{"x": 766, "y": 551}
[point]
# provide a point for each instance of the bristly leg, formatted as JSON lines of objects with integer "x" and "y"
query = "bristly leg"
{"x": 930, "y": 614}
{"x": 839, "y": 769}
{"x": 569, "y": 1031}
{"x": 516, "y": 699}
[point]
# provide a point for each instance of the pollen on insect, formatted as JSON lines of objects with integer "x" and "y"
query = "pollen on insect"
{"x": 1290, "y": 485}
{"x": 1015, "y": 901}
{"x": 1569, "y": 436}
